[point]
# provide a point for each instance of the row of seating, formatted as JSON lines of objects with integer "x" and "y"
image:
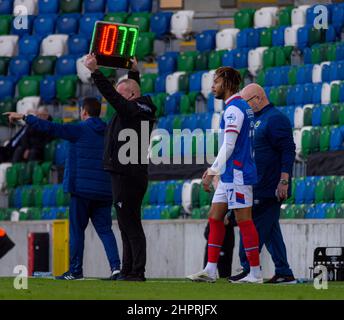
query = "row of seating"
{"x": 24, "y": 214}
{"x": 160, "y": 212}
{"x": 67, "y": 6}
{"x": 318, "y": 211}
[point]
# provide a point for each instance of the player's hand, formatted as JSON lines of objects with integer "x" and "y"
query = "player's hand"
{"x": 13, "y": 116}
{"x": 206, "y": 181}
{"x": 134, "y": 66}
{"x": 91, "y": 62}
{"x": 282, "y": 191}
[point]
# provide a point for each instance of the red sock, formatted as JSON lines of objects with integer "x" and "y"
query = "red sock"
{"x": 215, "y": 240}
{"x": 250, "y": 241}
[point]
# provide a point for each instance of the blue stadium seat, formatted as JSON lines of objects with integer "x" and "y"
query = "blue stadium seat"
{"x": 277, "y": 77}
{"x": 340, "y": 70}
{"x": 118, "y": 5}
{"x": 316, "y": 115}
{"x": 278, "y": 36}
{"x": 330, "y": 35}
{"x": 310, "y": 16}
{"x": 48, "y": 88}
{"x": 284, "y": 74}
{"x": 320, "y": 211}
{"x": 190, "y": 122}
{"x": 68, "y": 23}
{"x": 338, "y": 18}
{"x": 61, "y": 153}
{"x": 248, "y": 38}
{"x": 291, "y": 95}
{"x": 236, "y": 58}
{"x": 289, "y": 112}
{"x": 309, "y": 193}
{"x": 267, "y": 90}
{"x": 204, "y": 120}
{"x": 94, "y": 5}
{"x": 141, "y": 5}
{"x": 7, "y": 87}
{"x": 341, "y": 92}
{"x": 6, "y": 6}
{"x": 325, "y": 74}
{"x": 29, "y": 46}
{"x": 195, "y": 81}
{"x": 167, "y": 63}
{"x": 87, "y": 22}
{"x": 78, "y": 45}
{"x": 340, "y": 52}
{"x": 162, "y": 192}
{"x": 153, "y": 196}
{"x": 269, "y": 79}
{"x": 304, "y": 74}
{"x": 317, "y": 93}
{"x": 160, "y": 83}
{"x": 65, "y": 65}
{"x": 22, "y": 31}
{"x": 210, "y": 102}
{"x": 307, "y": 55}
{"x": 300, "y": 187}
{"x": 47, "y": 195}
{"x": 310, "y": 213}
{"x": 303, "y": 37}
{"x": 172, "y": 103}
{"x": 160, "y": 23}
{"x": 178, "y": 193}
{"x": 19, "y": 66}
{"x": 336, "y": 139}
{"x": 206, "y": 40}
{"x": 48, "y": 6}
{"x": 44, "y": 24}
{"x": 18, "y": 197}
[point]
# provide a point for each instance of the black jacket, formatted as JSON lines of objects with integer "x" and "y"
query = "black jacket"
{"x": 129, "y": 115}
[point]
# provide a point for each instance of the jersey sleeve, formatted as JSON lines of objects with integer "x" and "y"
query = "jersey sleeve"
{"x": 233, "y": 119}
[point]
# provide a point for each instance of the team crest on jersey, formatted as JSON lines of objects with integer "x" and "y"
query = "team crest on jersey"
{"x": 231, "y": 118}
{"x": 249, "y": 113}
{"x": 257, "y": 124}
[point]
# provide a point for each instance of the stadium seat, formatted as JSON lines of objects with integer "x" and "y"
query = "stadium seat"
{"x": 87, "y": 22}
{"x": 48, "y": 88}
{"x": 30, "y": 6}
{"x": 186, "y": 61}
{"x": 3, "y": 168}
{"x": 78, "y": 45}
{"x": 172, "y": 103}
{"x": 8, "y": 45}
{"x": 160, "y": 83}
{"x": 28, "y": 103}
{"x": 265, "y": 17}
{"x": 160, "y": 23}
{"x": 65, "y": 65}
{"x": 4, "y": 62}
{"x": 94, "y": 6}
{"x": 43, "y": 65}
{"x": 29, "y": 46}
{"x": 316, "y": 73}
{"x": 140, "y": 19}
{"x": 255, "y": 60}
{"x": 19, "y": 66}
{"x": 326, "y": 93}
{"x": 7, "y": 87}
{"x": 6, "y": 7}
{"x": 146, "y": 41}
{"x": 206, "y": 40}
{"x": 54, "y": 45}
{"x": 118, "y": 5}
{"x": 67, "y": 6}
{"x": 300, "y": 186}
{"x": 207, "y": 82}
{"x": 44, "y": 24}
{"x": 284, "y": 16}
{"x": 336, "y": 139}
{"x": 339, "y": 191}
{"x": 324, "y": 142}
{"x": 116, "y": 17}
{"x": 277, "y": 36}
{"x": 167, "y": 63}
{"x": 22, "y": 25}
{"x": 243, "y": 18}
{"x": 201, "y": 61}
{"x": 298, "y": 15}
{"x": 68, "y": 23}
{"x": 215, "y": 59}
{"x": 48, "y": 6}
{"x": 248, "y": 38}
{"x": 298, "y": 118}
{"x": 290, "y": 35}
{"x": 141, "y": 5}
{"x": 226, "y": 39}
{"x": 5, "y": 24}
{"x": 147, "y": 83}
{"x": 195, "y": 81}
{"x": 181, "y": 23}
{"x": 66, "y": 88}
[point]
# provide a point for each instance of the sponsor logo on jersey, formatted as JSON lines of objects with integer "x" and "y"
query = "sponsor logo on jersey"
{"x": 257, "y": 124}
{"x": 231, "y": 118}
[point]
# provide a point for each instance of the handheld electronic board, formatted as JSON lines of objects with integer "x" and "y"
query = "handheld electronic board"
{"x": 114, "y": 44}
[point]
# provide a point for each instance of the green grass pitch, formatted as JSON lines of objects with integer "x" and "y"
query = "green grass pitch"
{"x": 164, "y": 289}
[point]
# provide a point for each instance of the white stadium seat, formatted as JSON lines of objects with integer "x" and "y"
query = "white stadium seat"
{"x": 298, "y": 118}
{"x": 172, "y": 82}
{"x": 297, "y": 141}
{"x": 290, "y": 35}
{"x": 186, "y": 196}
{"x": 15, "y": 215}
{"x": 3, "y": 169}
{"x": 24, "y": 7}
{"x": 255, "y": 60}
{"x": 181, "y": 23}
{"x": 216, "y": 120}
{"x": 326, "y": 93}
{"x": 316, "y": 73}
{"x": 84, "y": 74}
{"x": 8, "y": 46}
{"x": 28, "y": 104}
{"x": 207, "y": 82}
{"x": 54, "y": 45}
{"x": 265, "y": 17}
{"x": 298, "y": 15}
{"x": 226, "y": 39}
{"x": 218, "y": 105}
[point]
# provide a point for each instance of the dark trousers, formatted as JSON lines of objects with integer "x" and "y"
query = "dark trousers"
{"x": 128, "y": 193}
{"x": 35, "y": 154}
{"x": 80, "y": 211}
{"x": 224, "y": 264}
{"x": 266, "y": 216}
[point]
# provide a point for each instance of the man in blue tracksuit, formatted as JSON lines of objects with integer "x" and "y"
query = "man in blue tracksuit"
{"x": 86, "y": 180}
{"x": 274, "y": 156}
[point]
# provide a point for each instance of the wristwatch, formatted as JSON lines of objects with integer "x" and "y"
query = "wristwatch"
{"x": 284, "y": 182}
{"x": 24, "y": 118}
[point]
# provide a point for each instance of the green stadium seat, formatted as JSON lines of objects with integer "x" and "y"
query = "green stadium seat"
{"x": 146, "y": 45}
{"x": 177, "y": 122}
{"x": 201, "y": 61}
{"x": 335, "y": 92}
{"x": 46, "y": 167}
{"x": 292, "y": 75}
{"x": 287, "y": 53}
{"x": 266, "y": 37}
{"x": 49, "y": 151}
{"x": 109, "y": 113}
{"x": 330, "y": 213}
{"x": 341, "y": 114}
{"x": 186, "y": 61}
{"x": 324, "y": 142}
{"x": 284, "y": 16}
{"x": 261, "y": 78}
{"x": 62, "y": 198}
{"x": 183, "y": 83}
{"x": 108, "y": 72}
{"x": 173, "y": 212}
{"x": 140, "y": 19}
{"x": 185, "y": 105}
{"x": 215, "y": 59}
{"x": 37, "y": 175}
{"x": 244, "y": 18}
{"x": 27, "y": 197}
{"x": 243, "y": 73}
{"x": 28, "y": 87}
{"x": 340, "y": 211}
{"x": 43, "y": 65}
{"x": 145, "y": 200}
{"x": 204, "y": 211}
{"x": 331, "y": 52}
{"x": 5, "y": 24}
{"x": 315, "y": 133}
{"x": 68, "y": 6}
{"x": 281, "y": 56}
{"x": 147, "y": 83}
{"x": 339, "y": 191}
{"x": 195, "y": 195}
{"x": 170, "y": 188}
{"x": 307, "y": 116}
{"x": 159, "y": 101}
{"x": 6, "y": 106}
{"x": 116, "y": 17}
{"x": 38, "y": 198}
{"x": 11, "y": 177}
{"x": 316, "y": 55}
{"x": 114, "y": 213}
{"x": 278, "y": 95}
{"x": 205, "y": 197}
{"x": 314, "y": 36}
{"x": 269, "y": 58}
{"x": 196, "y": 213}
{"x": 34, "y": 214}
{"x": 4, "y": 61}
{"x": 324, "y": 190}
{"x": 21, "y": 167}
{"x": 330, "y": 115}
{"x": 306, "y": 143}
{"x": 66, "y": 88}
{"x": 27, "y": 175}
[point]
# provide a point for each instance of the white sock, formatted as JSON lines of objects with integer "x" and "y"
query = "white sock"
{"x": 256, "y": 271}
{"x": 211, "y": 268}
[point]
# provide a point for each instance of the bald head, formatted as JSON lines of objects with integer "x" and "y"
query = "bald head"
{"x": 255, "y": 96}
{"x": 129, "y": 89}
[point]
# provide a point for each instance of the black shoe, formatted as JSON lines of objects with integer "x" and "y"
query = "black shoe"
{"x": 115, "y": 275}
{"x": 135, "y": 277}
{"x": 70, "y": 276}
{"x": 238, "y": 277}
{"x": 278, "y": 279}
{"x": 6, "y": 244}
